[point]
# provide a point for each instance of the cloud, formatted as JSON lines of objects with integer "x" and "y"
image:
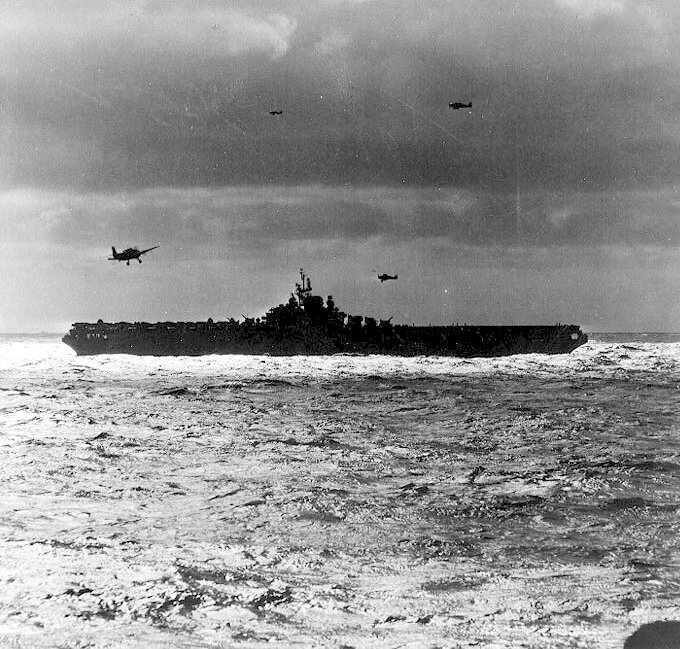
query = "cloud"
{"x": 105, "y": 97}
{"x": 332, "y": 43}
{"x": 591, "y": 8}
{"x": 129, "y": 27}
{"x": 253, "y": 220}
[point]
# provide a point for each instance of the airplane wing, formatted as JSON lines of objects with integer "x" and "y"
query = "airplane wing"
{"x": 148, "y": 249}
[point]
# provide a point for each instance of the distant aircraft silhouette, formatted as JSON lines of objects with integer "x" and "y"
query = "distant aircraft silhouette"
{"x": 384, "y": 277}
{"x": 128, "y": 254}
{"x": 276, "y": 112}
{"x": 456, "y": 105}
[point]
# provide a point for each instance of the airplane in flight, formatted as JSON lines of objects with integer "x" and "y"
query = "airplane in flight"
{"x": 456, "y": 105}
{"x": 276, "y": 112}
{"x": 128, "y": 254}
{"x": 384, "y": 277}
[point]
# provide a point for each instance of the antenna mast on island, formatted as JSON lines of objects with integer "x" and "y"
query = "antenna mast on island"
{"x": 304, "y": 288}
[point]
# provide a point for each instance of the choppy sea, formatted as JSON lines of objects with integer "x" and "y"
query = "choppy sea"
{"x": 341, "y": 501}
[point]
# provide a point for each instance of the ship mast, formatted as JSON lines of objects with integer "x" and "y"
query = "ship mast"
{"x": 304, "y": 288}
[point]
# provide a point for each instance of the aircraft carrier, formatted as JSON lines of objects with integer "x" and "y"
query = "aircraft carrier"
{"x": 307, "y": 324}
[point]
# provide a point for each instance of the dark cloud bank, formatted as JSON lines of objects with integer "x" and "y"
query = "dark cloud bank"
{"x": 565, "y": 94}
{"x": 257, "y": 218}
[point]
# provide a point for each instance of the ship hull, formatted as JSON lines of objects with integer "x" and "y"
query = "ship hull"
{"x": 197, "y": 339}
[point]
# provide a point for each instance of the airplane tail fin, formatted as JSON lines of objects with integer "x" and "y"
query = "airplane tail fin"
{"x": 113, "y": 250}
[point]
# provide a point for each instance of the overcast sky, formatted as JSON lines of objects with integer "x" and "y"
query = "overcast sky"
{"x": 555, "y": 198}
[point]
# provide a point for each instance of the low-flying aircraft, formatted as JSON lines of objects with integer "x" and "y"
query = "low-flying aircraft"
{"x": 128, "y": 254}
{"x": 276, "y": 112}
{"x": 384, "y": 277}
{"x": 456, "y": 105}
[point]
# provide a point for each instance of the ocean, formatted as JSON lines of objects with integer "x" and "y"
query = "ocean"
{"x": 341, "y": 501}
